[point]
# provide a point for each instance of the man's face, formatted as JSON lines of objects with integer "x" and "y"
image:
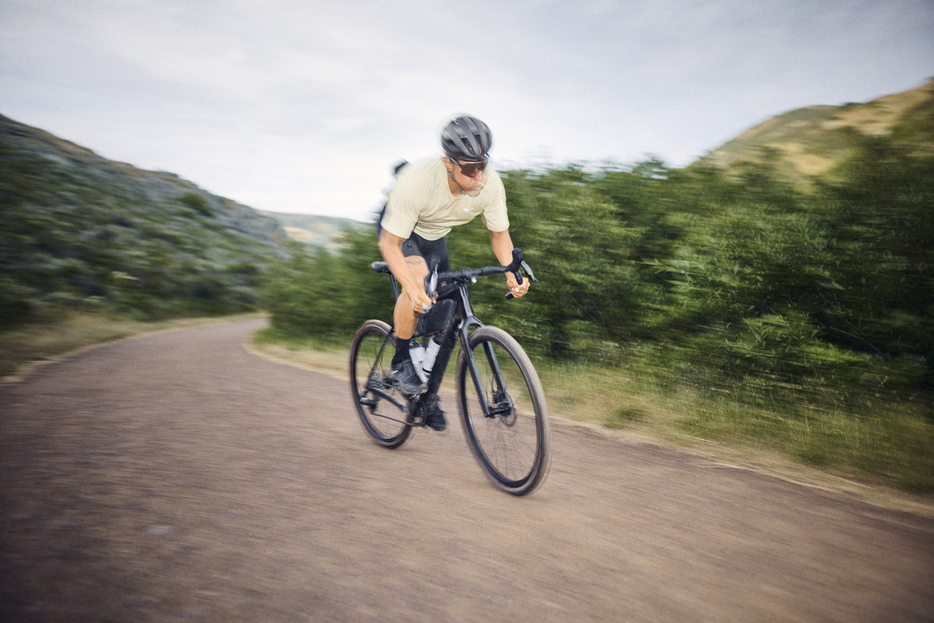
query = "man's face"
{"x": 469, "y": 175}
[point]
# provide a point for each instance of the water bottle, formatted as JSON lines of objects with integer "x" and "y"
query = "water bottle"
{"x": 428, "y": 359}
{"x": 417, "y": 354}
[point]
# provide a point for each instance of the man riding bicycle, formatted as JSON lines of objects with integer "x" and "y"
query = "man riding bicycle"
{"x": 427, "y": 200}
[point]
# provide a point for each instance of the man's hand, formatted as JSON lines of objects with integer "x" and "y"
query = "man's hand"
{"x": 502, "y": 248}
{"x": 515, "y": 288}
{"x": 421, "y": 302}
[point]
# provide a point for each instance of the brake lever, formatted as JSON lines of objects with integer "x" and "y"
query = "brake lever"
{"x": 431, "y": 282}
{"x": 518, "y": 262}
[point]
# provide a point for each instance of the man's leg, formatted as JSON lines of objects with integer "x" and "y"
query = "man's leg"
{"x": 404, "y": 317}
{"x": 405, "y": 321}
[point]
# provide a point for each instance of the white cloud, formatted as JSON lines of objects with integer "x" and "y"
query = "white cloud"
{"x": 304, "y": 105}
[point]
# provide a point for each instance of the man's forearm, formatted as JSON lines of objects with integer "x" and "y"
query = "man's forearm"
{"x": 502, "y": 246}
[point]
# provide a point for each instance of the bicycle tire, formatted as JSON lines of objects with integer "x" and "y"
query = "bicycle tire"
{"x": 382, "y": 409}
{"x": 512, "y": 443}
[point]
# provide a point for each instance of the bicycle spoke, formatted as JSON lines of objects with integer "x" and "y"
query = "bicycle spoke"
{"x": 382, "y": 410}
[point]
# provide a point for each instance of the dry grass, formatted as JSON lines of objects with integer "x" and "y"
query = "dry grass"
{"x": 729, "y": 432}
{"x": 333, "y": 362}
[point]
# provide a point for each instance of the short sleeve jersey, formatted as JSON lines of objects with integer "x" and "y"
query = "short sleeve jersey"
{"x": 421, "y": 201}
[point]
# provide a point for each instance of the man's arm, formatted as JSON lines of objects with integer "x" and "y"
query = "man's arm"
{"x": 502, "y": 248}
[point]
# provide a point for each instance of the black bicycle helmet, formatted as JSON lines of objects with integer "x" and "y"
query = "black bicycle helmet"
{"x": 466, "y": 139}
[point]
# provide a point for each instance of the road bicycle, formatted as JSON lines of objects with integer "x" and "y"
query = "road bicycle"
{"x": 499, "y": 396}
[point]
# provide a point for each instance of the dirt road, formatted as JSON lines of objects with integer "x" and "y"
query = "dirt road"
{"x": 177, "y": 477}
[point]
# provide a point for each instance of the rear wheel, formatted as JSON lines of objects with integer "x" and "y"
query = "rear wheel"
{"x": 383, "y": 411}
{"x": 503, "y": 411}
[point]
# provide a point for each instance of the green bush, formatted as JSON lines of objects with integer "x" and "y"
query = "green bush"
{"x": 804, "y": 295}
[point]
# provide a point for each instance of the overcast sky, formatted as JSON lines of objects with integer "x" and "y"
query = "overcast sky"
{"x": 303, "y": 105}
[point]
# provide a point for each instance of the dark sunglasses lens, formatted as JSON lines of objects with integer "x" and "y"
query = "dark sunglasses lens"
{"x": 470, "y": 170}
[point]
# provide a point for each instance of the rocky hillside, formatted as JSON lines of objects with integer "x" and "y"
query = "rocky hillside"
{"x": 811, "y": 141}
{"x": 61, "y": 158}
{"x": 77, "y": 229}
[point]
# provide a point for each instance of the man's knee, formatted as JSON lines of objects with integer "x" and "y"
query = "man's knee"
{"x": 417, "y": 266}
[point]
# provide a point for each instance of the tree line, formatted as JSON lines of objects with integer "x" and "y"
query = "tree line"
{"x": 723, "y": 279}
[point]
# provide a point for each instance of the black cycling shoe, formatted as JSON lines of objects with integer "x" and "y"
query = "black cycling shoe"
{"x": 436, "y": 421}
{"x": 406, "y": 378}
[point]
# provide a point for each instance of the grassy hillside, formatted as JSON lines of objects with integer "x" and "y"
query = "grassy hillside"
{"x": 813, "y": 141}
{"x": 78, "y": 231}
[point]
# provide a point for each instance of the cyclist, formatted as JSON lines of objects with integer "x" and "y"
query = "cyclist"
{"x": 426, "y": 201}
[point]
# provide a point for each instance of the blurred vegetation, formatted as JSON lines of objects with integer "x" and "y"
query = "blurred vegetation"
{"x": 83, "y": 234}
{"x": 810, "y": 313}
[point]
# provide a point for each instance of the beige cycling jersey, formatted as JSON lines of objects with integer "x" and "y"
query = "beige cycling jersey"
{"x": 421, "y": 201}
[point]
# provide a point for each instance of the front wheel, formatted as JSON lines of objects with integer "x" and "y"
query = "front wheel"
{"x": 503, "y": 411}
{"x": 382, "y": 409}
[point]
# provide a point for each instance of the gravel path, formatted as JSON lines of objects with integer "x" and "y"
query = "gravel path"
{"x": 177, "y": 477}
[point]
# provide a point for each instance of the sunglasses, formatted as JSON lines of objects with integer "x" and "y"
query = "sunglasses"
{"x": 470, "y": 169}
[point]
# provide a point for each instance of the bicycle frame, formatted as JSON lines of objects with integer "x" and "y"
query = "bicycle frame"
{"x": 502, "y": 407}
{"x": 458, "y": 330}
